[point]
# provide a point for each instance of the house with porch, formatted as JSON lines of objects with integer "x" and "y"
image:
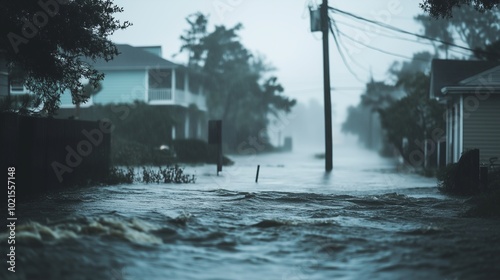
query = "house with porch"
{"x": 470, "y": 90}
{"x": 141, "y": 74}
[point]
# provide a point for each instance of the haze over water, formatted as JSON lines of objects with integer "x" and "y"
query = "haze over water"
{"x": 363, "y": 221}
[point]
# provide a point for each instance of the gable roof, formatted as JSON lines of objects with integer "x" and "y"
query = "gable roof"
{"x": 446, "y": 73}
{"x": 134, "y": 58}
{"x": 489, "y": 77}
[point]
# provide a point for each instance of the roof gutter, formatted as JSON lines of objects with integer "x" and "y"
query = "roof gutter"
{"x": 470, "y": 89}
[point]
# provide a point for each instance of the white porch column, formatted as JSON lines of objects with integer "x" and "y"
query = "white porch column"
{"x": 186, "y": 126}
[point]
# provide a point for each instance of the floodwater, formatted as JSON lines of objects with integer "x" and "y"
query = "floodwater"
{"x": 365, "y": 220}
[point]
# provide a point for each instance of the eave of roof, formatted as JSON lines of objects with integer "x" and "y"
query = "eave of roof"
{"x": 458, "y": 90}
{"x": 132, "y": 58}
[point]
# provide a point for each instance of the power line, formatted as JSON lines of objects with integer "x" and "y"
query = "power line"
{"x": 374, "y": 48}
{"x": 342, "y": 53}
{"x": 400, "y": 38}
{"x": 387, "y": 26}
{"x": 345, "y": 49}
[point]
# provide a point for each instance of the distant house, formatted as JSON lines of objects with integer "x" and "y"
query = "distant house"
{"x": 140, "y": 73}
{"x": 471, "y": 92}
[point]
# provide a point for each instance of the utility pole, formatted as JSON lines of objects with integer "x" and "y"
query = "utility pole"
{"x": 327, "y": 98}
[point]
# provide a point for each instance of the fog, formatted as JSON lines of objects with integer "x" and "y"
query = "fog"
{"x": 279, "y": 30}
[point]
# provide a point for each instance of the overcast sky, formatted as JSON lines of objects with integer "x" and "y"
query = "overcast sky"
{"x": 279, "y": 30}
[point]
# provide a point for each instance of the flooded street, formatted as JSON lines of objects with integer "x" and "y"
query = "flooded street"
{"x": 363, "y": 221}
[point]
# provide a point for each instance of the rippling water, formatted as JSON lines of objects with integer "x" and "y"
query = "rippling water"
{"x": 365, "y": 220}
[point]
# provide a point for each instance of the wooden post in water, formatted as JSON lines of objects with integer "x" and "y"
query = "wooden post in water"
{"x": 215, "y": 138}
{"x": 257, "y": 175}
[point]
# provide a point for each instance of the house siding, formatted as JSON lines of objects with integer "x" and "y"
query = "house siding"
{"x": 117, "y": 87}
{"x": 481, "y": 125}
{"x": 122, "y": 87}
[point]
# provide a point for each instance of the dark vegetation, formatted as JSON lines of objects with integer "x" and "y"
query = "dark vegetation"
{"x": 148, "y": 175}
{"x": 49, "y": 55}
{"x": 139, "y": 130}
{"x": 459, "y": 179}
{"x": 444, "y": 8}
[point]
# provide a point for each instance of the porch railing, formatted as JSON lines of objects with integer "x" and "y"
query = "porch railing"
{"x": 160, "y": 94}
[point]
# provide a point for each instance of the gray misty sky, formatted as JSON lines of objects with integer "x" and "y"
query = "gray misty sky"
{"x": 279, "y": 30}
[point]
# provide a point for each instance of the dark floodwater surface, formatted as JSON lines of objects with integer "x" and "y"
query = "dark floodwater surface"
{"x": 363, "y": 221}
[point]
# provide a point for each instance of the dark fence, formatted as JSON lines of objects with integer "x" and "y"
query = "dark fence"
{"x": 53, "y": 153}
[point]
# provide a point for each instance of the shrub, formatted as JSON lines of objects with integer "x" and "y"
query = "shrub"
{"x": 447, "y": 178}
{"x": 191, "y": 150}
{"x": 148, "y": 175}
{"x": 128, "y": 153}
{"x": 197, "y": 151}
{"x": 119, "y": 176}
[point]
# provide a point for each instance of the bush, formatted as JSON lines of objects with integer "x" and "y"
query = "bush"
{"x": 120, "y": 176}
{"x": 191, "y": 150}
{"x": 128, "y": 153}
{"x": 169, "y": 174}
{"x": 197, "y": 151}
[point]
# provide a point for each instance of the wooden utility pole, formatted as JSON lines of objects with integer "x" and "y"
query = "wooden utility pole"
{"x": 327, "y": 98}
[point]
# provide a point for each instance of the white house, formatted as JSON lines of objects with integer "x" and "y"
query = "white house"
{"x": 471, "y": 92}
{"x": 140, "y": 73}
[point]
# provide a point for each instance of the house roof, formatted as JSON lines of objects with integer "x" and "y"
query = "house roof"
{"x": 133, "y": 58}
{"x": 489, "y": 77}
{"x": 450, "y": 73}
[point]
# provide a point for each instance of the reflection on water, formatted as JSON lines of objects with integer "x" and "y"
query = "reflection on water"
{"x": 364, "y": 220}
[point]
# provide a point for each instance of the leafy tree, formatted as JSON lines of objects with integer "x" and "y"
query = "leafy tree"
{"x": 439, "y": 29}
{"x": 489, "y": 52}
{"x": 50, "y": 40}
{"x": 479, "y": 31}
{"x": 415, "y": 118}
{"x": 363, "y": 120}
{"x": 88, "y": 90}
{"x": 440, "y": 8}
{"x": 241, "y": 92}
{"x": 473, "y": 28}
{"x": 420, "y": 62}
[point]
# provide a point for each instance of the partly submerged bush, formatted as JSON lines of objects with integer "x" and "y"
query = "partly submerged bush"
{"x": 120, "y": 176}
{"x": 169, "y": 174}
{"x": 173, "y": 174}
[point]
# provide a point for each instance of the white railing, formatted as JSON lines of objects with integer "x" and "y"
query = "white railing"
{"x": 160, "y": 94}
